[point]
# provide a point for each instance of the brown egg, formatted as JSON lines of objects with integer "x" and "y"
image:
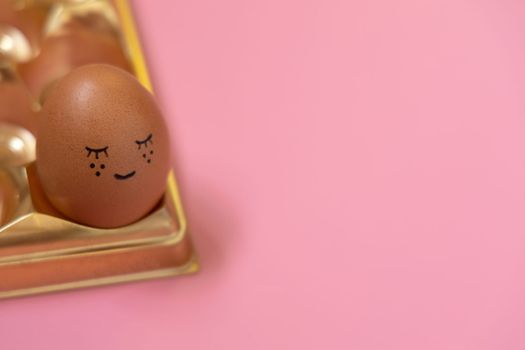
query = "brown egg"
{"x": 18, "y": 106}
{"x": 102, "y": 147}
{"x": 83, "y": 40}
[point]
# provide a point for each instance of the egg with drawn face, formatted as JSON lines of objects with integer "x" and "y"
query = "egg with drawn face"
{"x": 102, "y": 148}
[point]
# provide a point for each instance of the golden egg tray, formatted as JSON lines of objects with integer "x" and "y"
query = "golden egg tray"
{"x": 42, "y": 253}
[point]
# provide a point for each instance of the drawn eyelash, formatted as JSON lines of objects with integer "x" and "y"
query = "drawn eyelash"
{"x": 145, "y": 142}
{"x": 97, "y": 151}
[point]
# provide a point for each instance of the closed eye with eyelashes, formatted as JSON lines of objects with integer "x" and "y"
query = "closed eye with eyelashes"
{"x": 145, "y": 142}
{"x": 97, "y": 151}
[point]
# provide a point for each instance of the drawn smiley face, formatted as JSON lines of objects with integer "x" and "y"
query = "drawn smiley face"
{"x": 147, "y": 155}
{"x": 102, "y": 148}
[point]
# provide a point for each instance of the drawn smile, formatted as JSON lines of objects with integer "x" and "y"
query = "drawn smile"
{"x": 124, "y": 177}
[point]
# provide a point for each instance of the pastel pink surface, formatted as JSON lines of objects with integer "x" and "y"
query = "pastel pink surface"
{"x": 353, "y": 173}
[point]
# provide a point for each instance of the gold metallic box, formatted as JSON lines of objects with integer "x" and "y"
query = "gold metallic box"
{"x": 43, "y": 253}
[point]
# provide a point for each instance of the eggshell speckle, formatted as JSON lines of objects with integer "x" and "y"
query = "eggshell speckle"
{"x": 102, "y": 147}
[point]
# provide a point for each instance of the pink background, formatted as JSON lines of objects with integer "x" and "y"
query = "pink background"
{"x": 353, "y": 172}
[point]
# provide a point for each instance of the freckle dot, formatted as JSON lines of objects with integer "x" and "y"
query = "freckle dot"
{"x": 97, "y": 173}
{"x": 150, "y": 152}
{"x": 149, "y": 160}
{"x": 102, "y": 166}
{"x": 144, "y": 155}
{"x": 91, "y": 165}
